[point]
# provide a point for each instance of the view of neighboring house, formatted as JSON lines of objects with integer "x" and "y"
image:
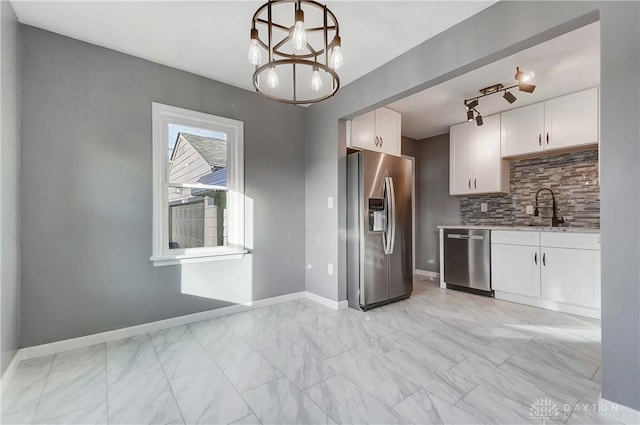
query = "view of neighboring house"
{"x": 197, "y": 216}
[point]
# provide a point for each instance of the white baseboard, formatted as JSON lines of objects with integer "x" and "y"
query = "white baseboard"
{"x": 8, "y": 374}
{"x": 549, "y": 305}
{"x": 336, "y": 305}
{"x": 426, "y": 273}
{"x": 618, "y": 412}
{"x": 102, "y": 337}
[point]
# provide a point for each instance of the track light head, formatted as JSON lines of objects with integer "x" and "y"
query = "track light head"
{"x": 524, "y": 81}
{"x": 470, "y": 115}
{"x": 525, "y": 87}
{"x": 472, "y": 104}
{"x": 479, "y": 120}
{"x": 509, "y": 97}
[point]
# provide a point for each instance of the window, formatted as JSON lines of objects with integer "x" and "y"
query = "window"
{"x": 198, "y": 186}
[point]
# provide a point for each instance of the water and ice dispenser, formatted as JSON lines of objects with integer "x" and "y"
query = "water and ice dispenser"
{"x": 377, "y": 215}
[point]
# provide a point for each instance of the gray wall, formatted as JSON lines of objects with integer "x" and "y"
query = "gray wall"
{"x": 9, "y": 187}
{"x": 87, "y": 192}
{"x": 620, "y": 202}
{"x": 497, "y": 32}
{"x": 434, "y": 206}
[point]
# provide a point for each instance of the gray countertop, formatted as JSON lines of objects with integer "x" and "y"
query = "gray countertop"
{"x": 527, "y": 228}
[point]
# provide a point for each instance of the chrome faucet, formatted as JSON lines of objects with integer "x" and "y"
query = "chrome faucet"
{"x": 555, "y": 220}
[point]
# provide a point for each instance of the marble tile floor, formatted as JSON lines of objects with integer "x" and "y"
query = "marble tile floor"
{"x": 440, "y": 357}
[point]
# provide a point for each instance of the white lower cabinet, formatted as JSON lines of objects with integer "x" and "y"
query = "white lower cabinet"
{"x": 571, "y": 276}
{"x": 560, "y": 272}
{"x": 515, "y": 269}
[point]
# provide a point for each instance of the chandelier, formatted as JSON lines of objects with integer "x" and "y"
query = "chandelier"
{"x": 301, "y": 42}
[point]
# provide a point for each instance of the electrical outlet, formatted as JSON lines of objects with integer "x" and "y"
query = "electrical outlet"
{"x": 529, "y": 209}
{"x": 330, "y": 269}
{"x": 483, "y": 207}
{"x": 330, "y": 202}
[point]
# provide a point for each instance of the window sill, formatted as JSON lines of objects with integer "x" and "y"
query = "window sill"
{"x": 171, "y": 260}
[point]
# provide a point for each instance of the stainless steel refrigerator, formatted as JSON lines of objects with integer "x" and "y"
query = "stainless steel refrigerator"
{"x": 379, "y": 234}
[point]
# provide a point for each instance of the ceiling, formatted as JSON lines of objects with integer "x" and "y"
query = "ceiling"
{"x": 563, "y": 65}
{"x": 211, "y": 38}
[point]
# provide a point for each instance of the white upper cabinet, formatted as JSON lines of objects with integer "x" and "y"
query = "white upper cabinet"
{"x": 558, "y": 124}
{"x": 489, "y": 171}
{"x": 459, "y": 180}
{"x": 572, "y": 120}
{"x": 475, "y": 163}
{"x": 378, "y": 131}
{"x": 522, "y": 130}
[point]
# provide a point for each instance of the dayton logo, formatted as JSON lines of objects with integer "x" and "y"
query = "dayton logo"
{"x": 544, "y": 409}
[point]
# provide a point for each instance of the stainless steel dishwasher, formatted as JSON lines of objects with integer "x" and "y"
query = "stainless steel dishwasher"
{"x": 467, "y": 260}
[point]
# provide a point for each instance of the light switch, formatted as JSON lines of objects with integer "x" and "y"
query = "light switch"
{"x": 330, "y": 269}
{"x": 483, "y": 207}
{"x": 330, "y": 202}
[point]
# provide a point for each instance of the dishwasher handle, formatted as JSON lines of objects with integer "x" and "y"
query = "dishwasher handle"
{"x": 457, "y": 236}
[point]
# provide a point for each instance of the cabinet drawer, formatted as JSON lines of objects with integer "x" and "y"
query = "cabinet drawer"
{"x": 570, "y": 240}
{"x": 509, "y": 237}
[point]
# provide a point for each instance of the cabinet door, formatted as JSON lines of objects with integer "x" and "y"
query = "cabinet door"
{"x": 388, "y": 130}
{"x": 487, "y": 170}
{"x": 459, "y": 180}
{"x": 571, "y": 120}
{"x": 363, "y": 130}
{"x": 522, "y": 130}
{"x": 571, "y": 276}
{"x": 515, "y": 269}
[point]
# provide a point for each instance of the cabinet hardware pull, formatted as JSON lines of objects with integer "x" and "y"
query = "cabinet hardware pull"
{"x": 475, "y": 183}
{"x": 377, "y": 141}
{"x": 547, "y": 138}
{"x": 381, "y": 141}
{"x": 535, "y": 258}
{"x": 544, "y": 259}
{"x": 539, "y": 139}
{"x": 469, "y": 183}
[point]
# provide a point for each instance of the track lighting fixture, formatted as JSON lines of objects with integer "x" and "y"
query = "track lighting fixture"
{"x": 509, "y": 97}
{"x": 523, "y": 76}
{"x": 470, "y": 115}
{"x": 524, "y": 84}
{"x": 527, "y": 88}
{"x": 524, "y": 80}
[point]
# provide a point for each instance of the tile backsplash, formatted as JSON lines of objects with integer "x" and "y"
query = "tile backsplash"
{"x": 573, "y": 177}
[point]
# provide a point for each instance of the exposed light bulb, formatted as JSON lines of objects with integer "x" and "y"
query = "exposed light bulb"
{"x": 299, "y": 37}
{"x": 316, "y": 81}
{"x": 336, "y": 60}
{"x": 272, "y": 78}
{"x": 255, "y": 56}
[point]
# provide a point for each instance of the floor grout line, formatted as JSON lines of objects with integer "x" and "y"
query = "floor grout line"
{"x": 224, "y": 374}
{"x": 164, "y": 372}
{"x": 106, "y": 380}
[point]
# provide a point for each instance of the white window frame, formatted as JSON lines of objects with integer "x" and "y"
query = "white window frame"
{"x": 162, "y": 116}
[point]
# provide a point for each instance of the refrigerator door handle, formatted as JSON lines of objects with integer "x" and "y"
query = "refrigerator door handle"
{"x": 392, "y": 197}
{"x": 386, "y": 237}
